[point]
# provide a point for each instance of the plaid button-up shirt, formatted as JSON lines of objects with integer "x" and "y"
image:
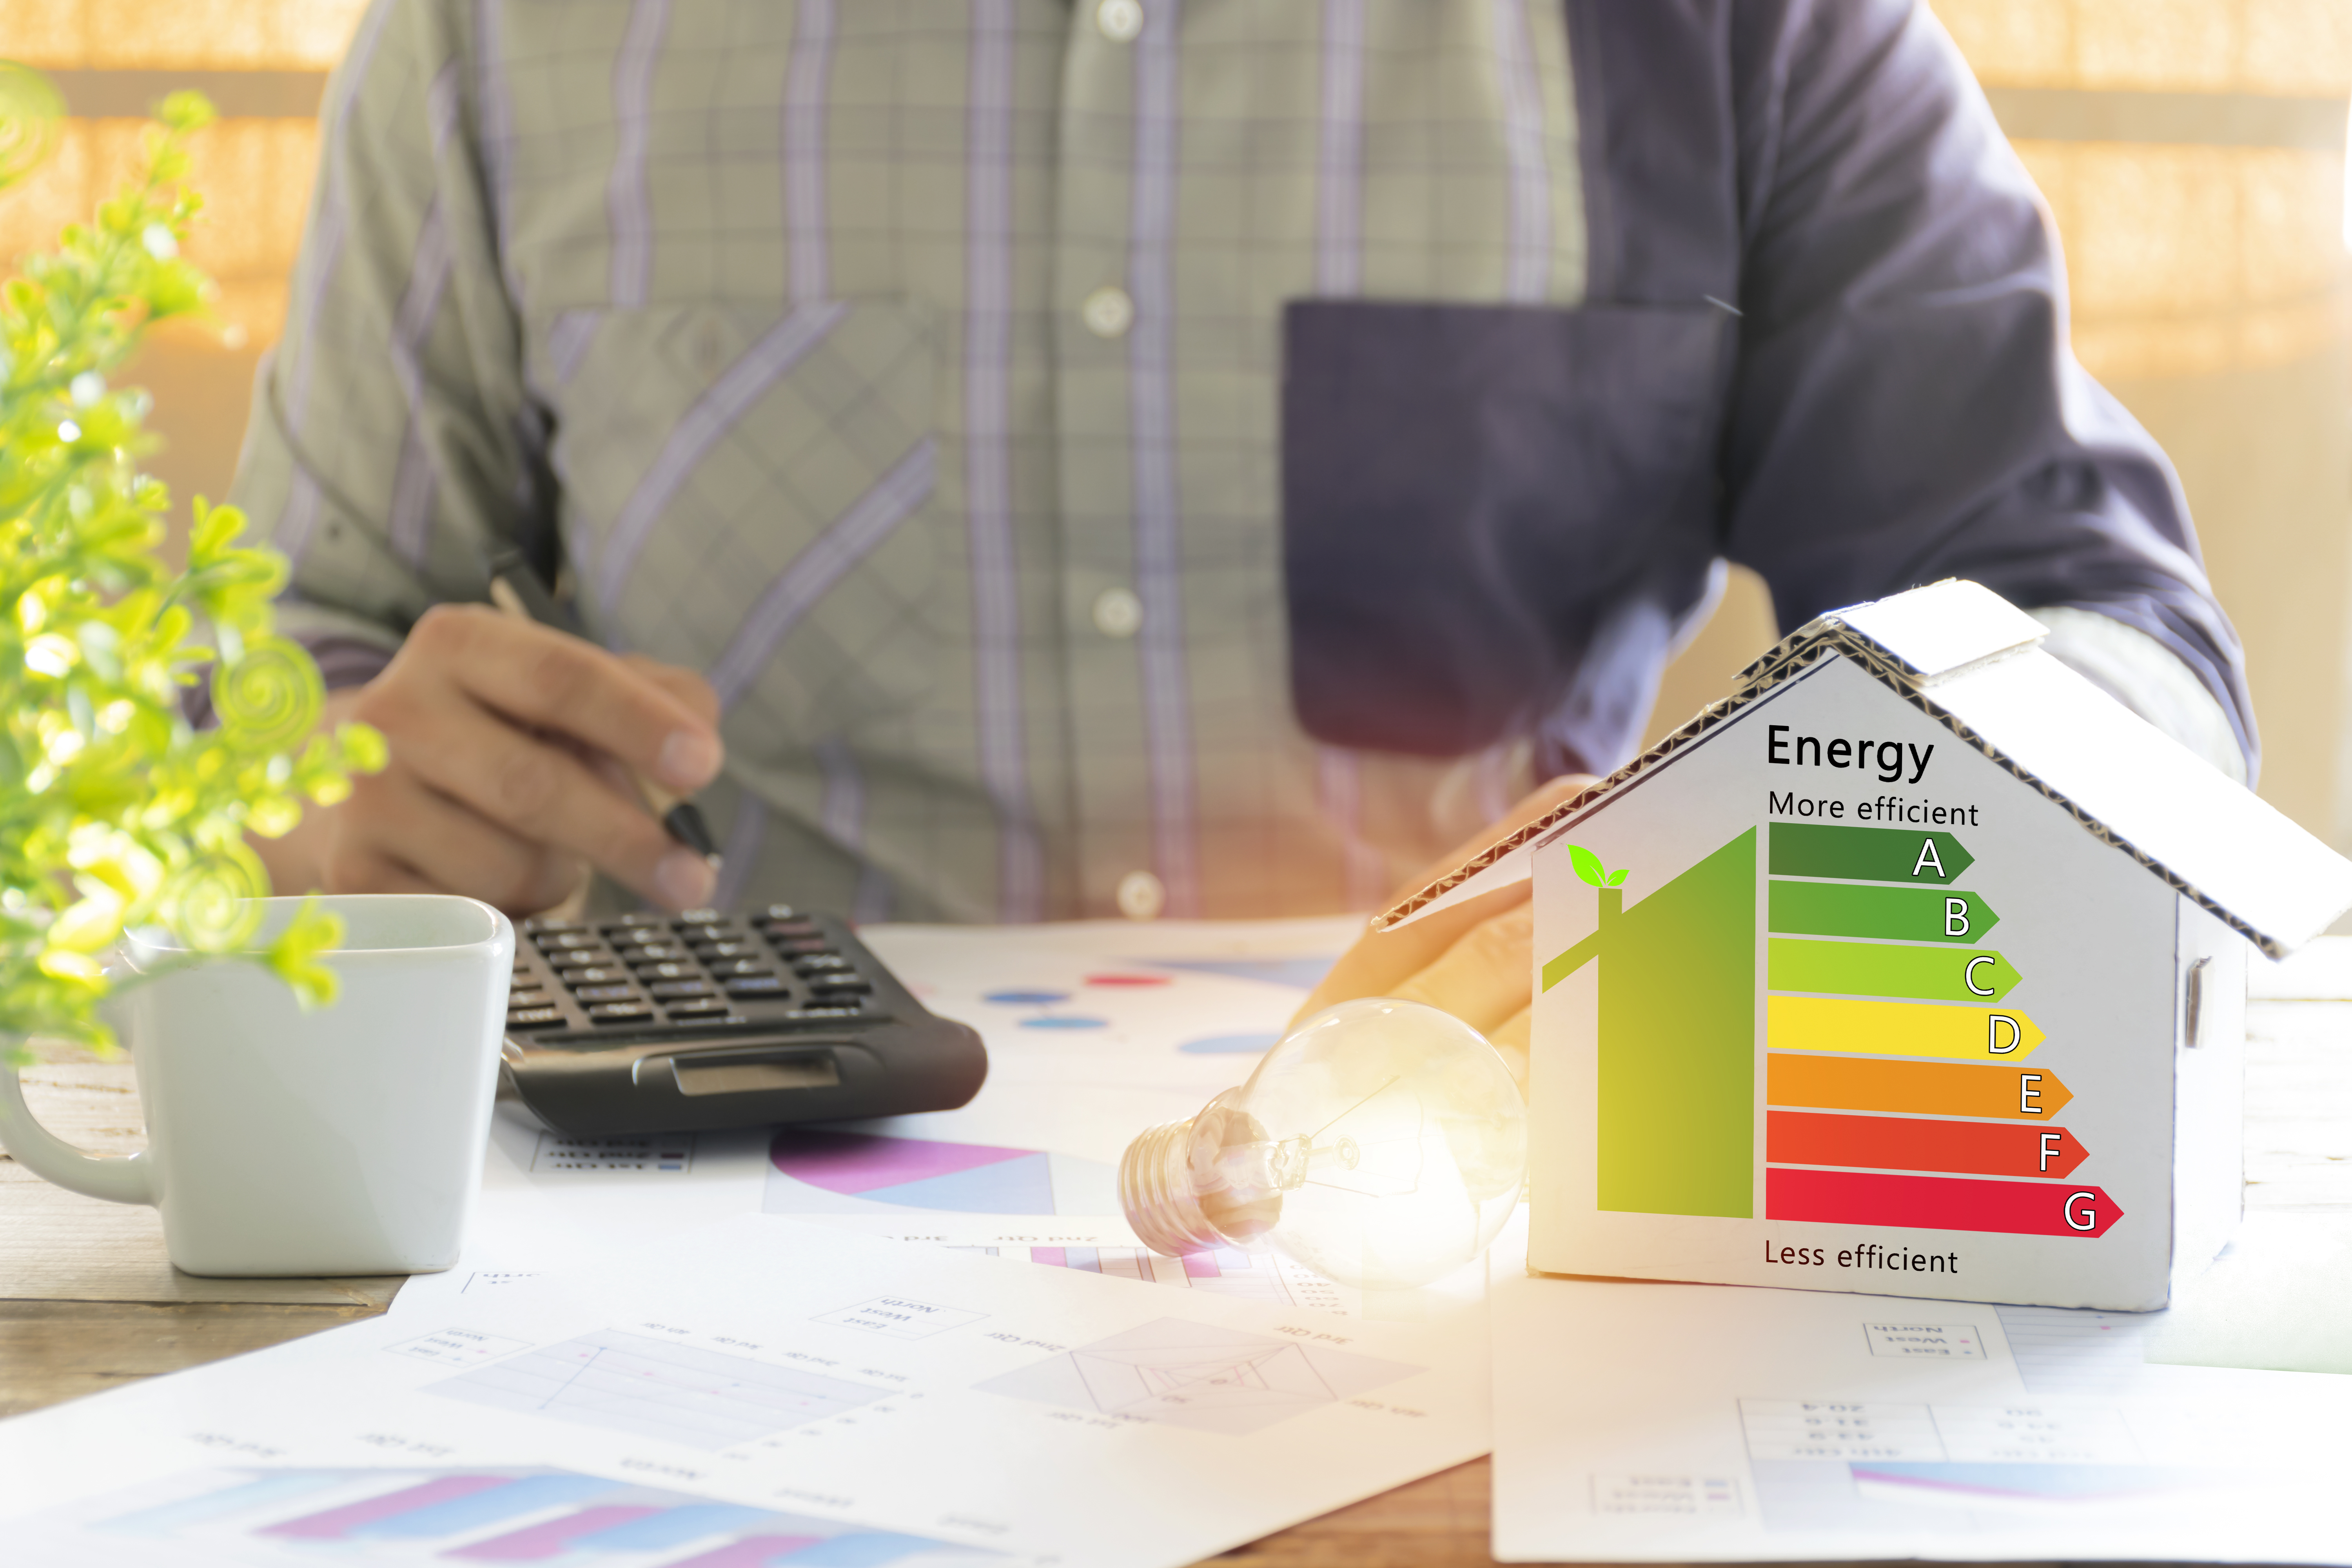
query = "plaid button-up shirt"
{"x": 932, "y": 377}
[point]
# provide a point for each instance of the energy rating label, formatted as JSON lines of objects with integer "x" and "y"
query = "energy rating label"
{"x": 1904, "y": 1082}
{"x": 1900, "y": 1084}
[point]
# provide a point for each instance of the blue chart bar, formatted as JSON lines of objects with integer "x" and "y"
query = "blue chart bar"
{"x": 261, "y": 1492}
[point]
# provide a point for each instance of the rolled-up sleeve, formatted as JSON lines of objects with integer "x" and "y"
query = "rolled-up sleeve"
{"x": 390, "y": 446}
{"x": 1905, "y": 406}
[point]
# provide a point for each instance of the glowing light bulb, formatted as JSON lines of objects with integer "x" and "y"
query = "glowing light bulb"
{"x": 1381, "y": 1144}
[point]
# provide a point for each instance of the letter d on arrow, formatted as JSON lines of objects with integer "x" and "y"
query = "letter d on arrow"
{"x": 1993, "y": 1042}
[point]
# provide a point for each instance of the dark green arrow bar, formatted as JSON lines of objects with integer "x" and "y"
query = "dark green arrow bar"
{"x": 1889, "y": 969}
{"x": 1890, "y": 914}
{"x": 1866, "y": 854}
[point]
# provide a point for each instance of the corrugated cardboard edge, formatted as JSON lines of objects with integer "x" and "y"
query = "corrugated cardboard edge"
{"x": 1789, "y": 658}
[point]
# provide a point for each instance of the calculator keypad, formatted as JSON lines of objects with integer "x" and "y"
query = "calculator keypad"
{"x": 699, "y": 968}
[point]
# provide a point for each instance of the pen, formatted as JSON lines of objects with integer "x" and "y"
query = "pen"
{"x": 515, "y": 589}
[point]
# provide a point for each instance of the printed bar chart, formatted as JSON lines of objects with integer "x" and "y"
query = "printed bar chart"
{"x": 1885, "y": 969}
{"x": 1939, "y": 1203}
{"x": 1893, "y": 914}
{"x": 1907, "y": 1143}
{"x": 1857, "y": 1026}
{"x": 1912, "y": 1087}
{"x": 488, "y": 1516}
{"x": 1866, "y": 854}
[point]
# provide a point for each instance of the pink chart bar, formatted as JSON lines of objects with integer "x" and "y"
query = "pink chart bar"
{"x": 337, "y": 1521}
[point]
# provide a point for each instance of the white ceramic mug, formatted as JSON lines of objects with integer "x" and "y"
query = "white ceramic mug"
{"x": 347, "y": 1140}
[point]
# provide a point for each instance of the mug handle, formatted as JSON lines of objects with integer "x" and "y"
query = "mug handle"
{"x": 117, "y": 1178}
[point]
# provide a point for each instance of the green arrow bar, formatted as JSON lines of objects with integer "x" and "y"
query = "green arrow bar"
{"x": 1885, "y": 969}
{"x": 1895, "y": 914}
{"x": 1866, "y": 854}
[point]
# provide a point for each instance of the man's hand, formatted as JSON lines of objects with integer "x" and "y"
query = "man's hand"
{"x": 1473, "y": 961}
{"x": 508, "y": 744}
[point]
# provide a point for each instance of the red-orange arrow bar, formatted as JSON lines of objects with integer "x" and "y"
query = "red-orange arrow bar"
{"x": 1910, "y": 1143}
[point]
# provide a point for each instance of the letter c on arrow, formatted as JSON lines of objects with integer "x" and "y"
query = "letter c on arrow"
{"x": 2090, "y": 1211}
{"x": 1970, "y": 976}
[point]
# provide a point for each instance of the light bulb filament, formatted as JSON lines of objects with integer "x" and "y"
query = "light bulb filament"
{"x": 1355, "y": 1108}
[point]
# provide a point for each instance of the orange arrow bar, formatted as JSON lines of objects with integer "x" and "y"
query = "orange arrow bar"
{"x": 1914, "y": 1089}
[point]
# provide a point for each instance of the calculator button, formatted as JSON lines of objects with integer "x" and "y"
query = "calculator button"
{"x": 725, "y": 966}
{"x": 529, "y": 996}
{"x": 593, "y": 975}
{"x": 713, "y": 1006}
{"x": 605, "y": 993}
{"x": 781, "y": 929}
{"x": 668, "y": 972}
{"x": 780, "y": 912}
{"x": 680, "y": 988}
{"x": 534, "y": 1018}
{"x": 823, "y": 963}
{"x": 828, "y": 1012}
{"x": 830, "y": 988}
{"x": 802, "y": 946}
{"x": 652, "y": 952}
{"x": 536, "y": 926}
{"x": 755, "y": 985}
{"x": 642, "y": 918}
{"x": 619, "y": 1012}
{"x": 551, "y": 941}
{"x": 709, "y": 950}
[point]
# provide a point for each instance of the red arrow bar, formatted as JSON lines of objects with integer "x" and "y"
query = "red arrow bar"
{"x": 1939, "y": 1203}
{"x": 1912, "y": 1143}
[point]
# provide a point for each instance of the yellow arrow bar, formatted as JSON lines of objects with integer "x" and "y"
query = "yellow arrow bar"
{"x": 1859, "y": 1028}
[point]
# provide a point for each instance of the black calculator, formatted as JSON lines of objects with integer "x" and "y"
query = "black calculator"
{"x": 658, "y": 1023}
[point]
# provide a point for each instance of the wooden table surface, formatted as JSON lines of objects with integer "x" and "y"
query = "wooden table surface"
{"x": 89, "y": 1302}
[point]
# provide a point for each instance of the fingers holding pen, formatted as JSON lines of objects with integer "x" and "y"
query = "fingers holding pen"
{"x": 495, "y": 717}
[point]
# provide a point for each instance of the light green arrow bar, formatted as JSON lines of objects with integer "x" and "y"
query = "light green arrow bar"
{"x": 1886, "y": 969}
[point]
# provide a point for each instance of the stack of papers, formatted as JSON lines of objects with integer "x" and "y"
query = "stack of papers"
{"x": 933, "y": 1340}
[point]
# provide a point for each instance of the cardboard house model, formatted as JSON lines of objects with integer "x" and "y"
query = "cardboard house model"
{"x": 1912, "y": 967}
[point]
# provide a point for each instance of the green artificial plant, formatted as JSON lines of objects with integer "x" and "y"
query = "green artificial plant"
{"x": 115, "y": 811}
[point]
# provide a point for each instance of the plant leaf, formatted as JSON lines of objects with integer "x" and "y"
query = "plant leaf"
{"x": 1616, "y": 877}
{"x": 1588, "y": 865}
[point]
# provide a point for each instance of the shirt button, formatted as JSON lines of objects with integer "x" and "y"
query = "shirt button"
{"x": 1108, "y": 311}
{"x": 1120, "y": 20}
{"x": 1118, "y": 612}
{"x": 1140, "y": 896}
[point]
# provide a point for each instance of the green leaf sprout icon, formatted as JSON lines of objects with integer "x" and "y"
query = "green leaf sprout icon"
{"x": 1589, "y": 867}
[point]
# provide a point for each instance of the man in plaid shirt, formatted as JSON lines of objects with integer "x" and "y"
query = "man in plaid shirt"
{"x": 1038, "y": 459}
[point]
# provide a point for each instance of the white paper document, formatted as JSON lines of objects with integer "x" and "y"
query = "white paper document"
{"x": 1094, "y": 1031}
{"x": 759, "y": 1392}
{"x": 1639, "y": 1423}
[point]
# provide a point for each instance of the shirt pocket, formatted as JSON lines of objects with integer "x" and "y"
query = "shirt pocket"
{"x": 748, "y": 492}
{"x": 1471, "y": 493}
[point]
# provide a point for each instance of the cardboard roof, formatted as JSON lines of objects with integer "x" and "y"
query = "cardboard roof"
{"x": 1970, "y": 659}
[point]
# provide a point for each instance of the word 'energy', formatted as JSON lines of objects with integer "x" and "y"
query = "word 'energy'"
{"x": 1811, "y": 752}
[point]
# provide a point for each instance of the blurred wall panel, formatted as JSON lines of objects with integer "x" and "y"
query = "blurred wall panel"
{"x": 264, "y": 64}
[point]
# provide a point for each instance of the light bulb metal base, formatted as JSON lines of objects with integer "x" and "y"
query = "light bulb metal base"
{"x": 1155, "y": 1188}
